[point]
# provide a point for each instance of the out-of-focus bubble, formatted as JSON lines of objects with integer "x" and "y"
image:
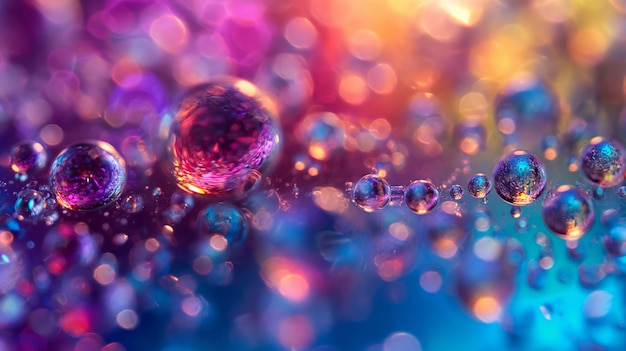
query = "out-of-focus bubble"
{"x": 614, "y": 240}
{"x": 371, "y": 193}
{"x": 421, "y": 196}
{"x": 604, "y": 162}
{"x": 426, "y": 123}
{"x": 88, "y": 175}
{"x": 401, "y": 342}
{"x": 479, "y": 186}
{"x": 471, "y": 137}
{"x": 394, "y": 255}
{"x": 222, "y": 138}
{"x": 568, "y": 212}
{"x": 485, "y": 285}
{"x": 13, "y": 309}
{"x": 322, "y": 134}
{"x": 519, "y": 178}
{"x": 132, "y": 203}
{"x": 225, "y": 221}
{"x": 67, "y": 246}
{"x": 30, "y": 205}
{"x": 28, "y": 157}
{"x": 446, "y": 229}
{"x": 456, "y": 192}
{"x": 9, "y": 268}
{"x": 522, "y": 107}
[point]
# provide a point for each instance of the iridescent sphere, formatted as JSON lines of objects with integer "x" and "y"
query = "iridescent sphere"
{"x": 615, "y": 240}
{"x": 479, "y": 186}
{"x": 523, "y": 107}
{"x": 221, "y": 139}
{"x": 568, "y": 212}
{"x": 225, "y": 220}
{"x": 519, "y": 178}
{"x": 456, "y": 192}
{"x": 604, "y": 162}
{"x": 30, "y": 204}
{"x": 371, "y": 193}
{"x": 28, "y": 157}
{"x": 421, "y": 196}
{"x": 88, "y": 175}
{"x": 322, "y": 133}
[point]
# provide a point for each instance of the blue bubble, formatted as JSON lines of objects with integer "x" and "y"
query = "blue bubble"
{"x": 615, "y": 240}
{"x": 421, "y": 196}
{"x": 568, "y": 212}
{"x": 479, "y": 186}
{"x": 371, "y": 193}
{"x": 604, "y": 162}
{"x": 519, "y": 178}
{"x": 30, "y": 205}
{"x": 523, "y": 107}
{"x": 226, "y": 220}
{"x": 456, "y": 192}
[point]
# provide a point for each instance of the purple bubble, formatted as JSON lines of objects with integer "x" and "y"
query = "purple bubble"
{"x": 421, "y": 196}
{"x": 88, "y": 175}
{"x": 222, "y": 139}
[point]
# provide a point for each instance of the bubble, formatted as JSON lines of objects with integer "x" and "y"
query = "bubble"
{"x": 479, "y": 186}
{"x": 519, "y": 178}
{"x": 523, "y": 107}
{"x": 604, "y": 161}
{"x": 225, "y": 220}
{"x": 222, "y": 138}
{"x": 322, "y": 133}
{"x": 456, "y": 192}
{"x": 446, "y": 230}
{"x": 516, "y": 211}
{"x": 568, "y": 212}
{"x": 133, "y": 203}
{"x": 30, "y": 205}
{"x": 371, "y": 193}
{"x": 421, "y": 196}
{"x": 621, "y": 192}
{"x": 28, "y": 157}
{"x": 615, "y": 240}
{"x": 88, "y": 175}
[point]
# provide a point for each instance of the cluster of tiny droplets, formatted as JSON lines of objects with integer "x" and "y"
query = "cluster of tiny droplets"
{"x": 153, "y": 258}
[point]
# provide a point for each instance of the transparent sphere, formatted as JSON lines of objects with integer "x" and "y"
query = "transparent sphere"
{"x": 421, "y": 196}
{"x": 88, "y": 175}
{"x": 604, "y": 161}
{"x": 371, "y": 193}
{"x": 28, "y": 157}
{"x": 523, "y": 107}
{"x": 30, "y": 204}
{"x": 519, "y": 178}
{"x": 322, "y": 133}
{"x": 479, "y": 186}
{"x": 615, "y": 240}
{"x": 568, "y": 212}
{"x": 221, "y": 139}
{"x": 456, "y": 192}
{"x": 225, "y": 220}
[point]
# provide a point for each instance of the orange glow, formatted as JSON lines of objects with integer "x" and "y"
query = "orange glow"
{"x": 390, "y": 270}
{"x": 218, "y": 242}
{"x": 104, "y": 274}
{"x": 353, "y": 89}
{"x": 287, "y": 278}
{"x": 550, "y": 154}
{"x": 445, "y": 248}
{"x": 294, "y": 287}
{"x": 6, "y": 237}
{"x": 329, "y": 199}
{"x": 589, "y": 46}
{"x": 169, "y": 33}
{"x": 487, "y": 309}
